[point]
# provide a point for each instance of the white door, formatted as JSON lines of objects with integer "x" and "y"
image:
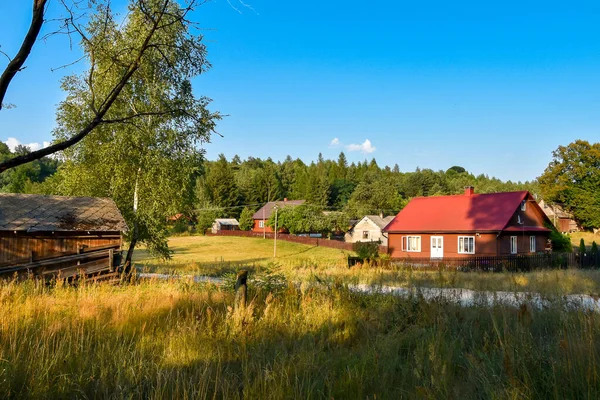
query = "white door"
{"x": 437, "y": 247}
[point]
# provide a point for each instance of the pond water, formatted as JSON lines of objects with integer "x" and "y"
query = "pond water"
{"x": 463, "y": 297}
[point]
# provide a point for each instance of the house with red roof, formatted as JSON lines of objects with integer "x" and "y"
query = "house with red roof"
{"x": 468, "y": 225}
{"x": 261, "y": 217}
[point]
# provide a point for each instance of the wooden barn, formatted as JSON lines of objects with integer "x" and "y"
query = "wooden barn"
{"x": 37, "y": 229}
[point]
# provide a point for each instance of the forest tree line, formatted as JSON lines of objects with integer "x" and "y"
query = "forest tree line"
{"x": 229, "y": 186}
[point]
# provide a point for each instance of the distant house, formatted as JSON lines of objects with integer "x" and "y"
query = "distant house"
{"x": 369, "y": 229}
{"x": 35, "y": 226}
{"x": 466, "y": 225}
{"x": 225, "y": 224}
{"x": 261, "y": 217}
{"x": 562, "y": 220}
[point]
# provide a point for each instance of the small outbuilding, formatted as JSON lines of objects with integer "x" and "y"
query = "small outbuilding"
{"x": 225, "y": 224}
{"x": 34, "y": 227}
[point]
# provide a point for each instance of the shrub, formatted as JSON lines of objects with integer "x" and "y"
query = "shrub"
{"x": 366, "y": 250}
{"x": 180, "y": 226}
{"x": 560, "y": 243}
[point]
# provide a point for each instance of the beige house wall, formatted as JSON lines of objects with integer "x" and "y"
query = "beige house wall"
{"x": 365, "y": 225}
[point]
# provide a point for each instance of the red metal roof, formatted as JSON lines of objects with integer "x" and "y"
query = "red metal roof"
{"x": 460, "y": 213}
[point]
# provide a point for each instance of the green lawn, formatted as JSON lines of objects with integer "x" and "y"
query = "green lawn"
{"x": 588, "y": 238}
{"x": 216, "y": 254}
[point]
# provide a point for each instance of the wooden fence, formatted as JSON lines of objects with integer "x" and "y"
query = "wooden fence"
{"x": 311, "y": 241}
{"x": 502, "y": 263}
{"x": 98, "y": 262}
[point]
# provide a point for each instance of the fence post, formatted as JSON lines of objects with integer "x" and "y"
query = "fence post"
{"x": 111, "y": 260}
{"x": 241, "y": 289}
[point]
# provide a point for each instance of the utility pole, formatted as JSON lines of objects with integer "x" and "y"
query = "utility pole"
{"x": 275, "y": 236}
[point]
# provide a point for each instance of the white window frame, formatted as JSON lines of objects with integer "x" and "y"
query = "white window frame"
{"x": 368, "y": 234}
{"x": 465, "y": 250}
{"x": 514, "y": 246}
{"x": 532, "y": 244}
{"x": 261, "y": 224}
{"x": 411, "y": 244}
{"x": 524, "y": 205}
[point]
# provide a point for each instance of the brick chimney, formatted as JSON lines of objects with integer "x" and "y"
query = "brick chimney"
{"x": 469, "y": 190}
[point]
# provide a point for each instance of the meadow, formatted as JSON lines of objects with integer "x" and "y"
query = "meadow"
{"x": 220, "y": 255}
{"x": 303, "y": 334}
{"x": 179, "y": 339}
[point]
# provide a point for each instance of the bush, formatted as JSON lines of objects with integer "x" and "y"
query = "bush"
{"x": 180, "y": 226}
{"x": 560, "y": 243}
{"x": 366, "y": 250}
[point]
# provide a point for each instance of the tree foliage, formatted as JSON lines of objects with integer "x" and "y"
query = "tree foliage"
{"x": 308, "y": 219}
{"x": 246, "y": 221}
{"x": 572, "y": 179}
{"x": 155, "y": 37}
{"x": 147, "y": 157}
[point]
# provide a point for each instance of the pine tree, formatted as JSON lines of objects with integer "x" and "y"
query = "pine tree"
{"x": 581, "y": 246}
{"x": 221, "y": 185}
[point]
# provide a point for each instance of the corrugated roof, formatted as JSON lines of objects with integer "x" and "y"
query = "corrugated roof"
{"x": 268, "y": 208}
{"x": 476, "y": 212}
{"x": 39, "y": 213}
{"x": 227, "y": 221}
{"x": 380, "y": 222}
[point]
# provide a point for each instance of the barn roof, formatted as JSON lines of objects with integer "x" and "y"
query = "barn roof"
{"x": 461, "y": 213}
{"x": 268, "y": 208}
{"x": 39, "y": 213}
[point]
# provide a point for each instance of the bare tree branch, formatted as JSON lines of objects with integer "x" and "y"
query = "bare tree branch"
{"x": 16, "y": 64}
{"x": 103, "y": 109}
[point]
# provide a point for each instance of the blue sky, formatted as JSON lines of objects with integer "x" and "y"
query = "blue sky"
{"x": 493, "y": 87}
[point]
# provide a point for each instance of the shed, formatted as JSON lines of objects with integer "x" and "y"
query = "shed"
{"x": 225, "y": 224}
{"x": 38, "y": 226}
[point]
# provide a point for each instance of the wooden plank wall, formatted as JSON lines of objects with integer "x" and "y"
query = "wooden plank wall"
{"x": 16, "y": 248}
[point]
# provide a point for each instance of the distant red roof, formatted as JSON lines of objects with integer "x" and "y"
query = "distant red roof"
{"x": 460, "y": 213}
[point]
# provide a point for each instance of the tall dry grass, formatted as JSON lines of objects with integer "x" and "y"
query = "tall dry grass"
{"x": 183, "y": 340}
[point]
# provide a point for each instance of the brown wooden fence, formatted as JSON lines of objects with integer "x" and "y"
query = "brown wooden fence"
{"x": 92, "y": 262}
{"x": 335, "y": 244}
{"x": 503, "y": 263}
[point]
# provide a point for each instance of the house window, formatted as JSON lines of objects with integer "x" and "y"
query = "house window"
{"x": 261, "y": 224}
{"x": 513, "y": 245}
{"x": 411, "y": 243}
{"x": 524, "y": 205}
{"x": 466, "y": 245}
{"x": 532, "y": 244}
{"x": 365, "y": 235}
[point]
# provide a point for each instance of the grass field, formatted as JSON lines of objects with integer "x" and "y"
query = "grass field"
{"x": 217, "y": 255}
{"x": 157, "y": 340}
{"x": 588, "y": 238}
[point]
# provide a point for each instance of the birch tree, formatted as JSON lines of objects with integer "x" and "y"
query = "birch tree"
{"x": 145, "y": 153}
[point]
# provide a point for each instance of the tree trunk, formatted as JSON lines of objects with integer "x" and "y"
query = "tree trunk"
{"x": 135, "y": 235}
{"x": 134, "y": 239}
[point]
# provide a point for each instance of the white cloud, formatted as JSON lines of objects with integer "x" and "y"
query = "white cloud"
{"x": 12, "y": 143}
{"x": 366, "y": 147}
